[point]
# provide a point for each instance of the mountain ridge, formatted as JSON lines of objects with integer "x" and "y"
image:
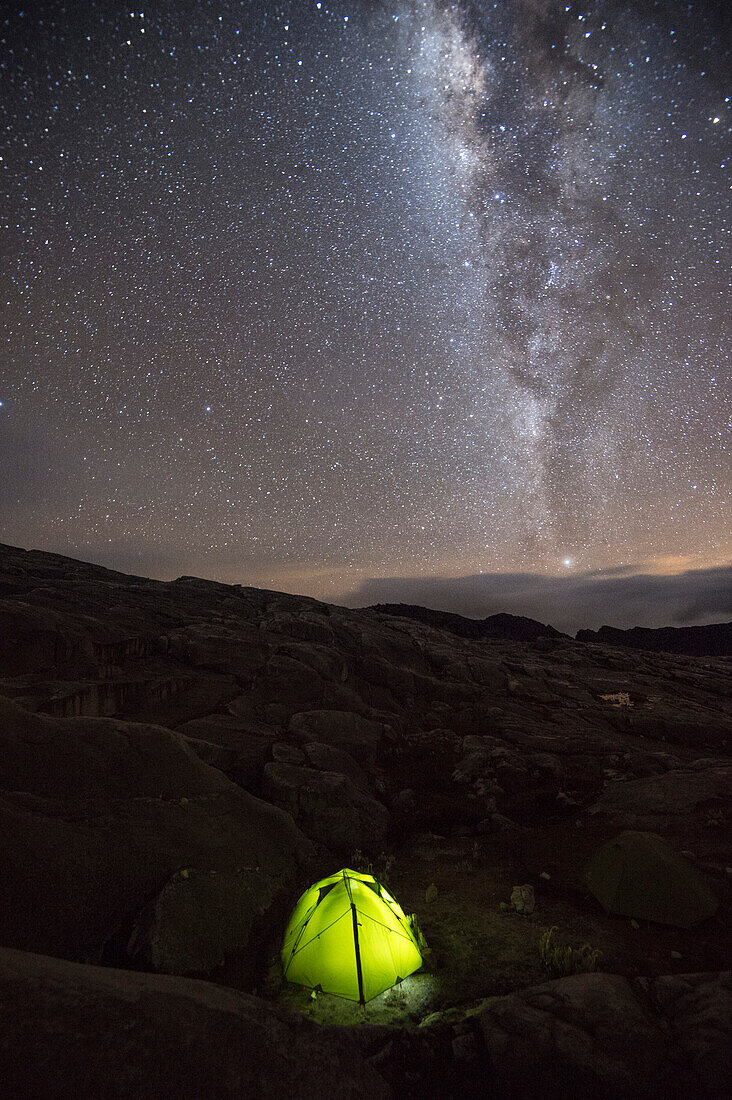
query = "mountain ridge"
{"x": 502, "y": 625}
{"x": 714, "y": 640}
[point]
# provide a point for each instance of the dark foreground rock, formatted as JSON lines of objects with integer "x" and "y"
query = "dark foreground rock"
{"x": 96, "y": 817}
{"x": 86, "y": 1031}
{"x": 600, "y": 1035}
{"x": 74, "y": 1030}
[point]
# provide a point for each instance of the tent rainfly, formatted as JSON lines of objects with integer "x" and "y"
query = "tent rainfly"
{"x": 639, "y": 875}
{"x": 347, "y": 935}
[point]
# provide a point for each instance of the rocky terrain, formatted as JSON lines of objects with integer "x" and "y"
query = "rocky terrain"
{"x": 180, "y": 760}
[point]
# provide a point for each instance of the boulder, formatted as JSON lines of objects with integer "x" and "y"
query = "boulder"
{"x": 284, "y": 753}
{"x": 699, "y": 1010}
{"x": 586, "y": 1035}
{"x": 325, "y": 661}
{"x": 245, "y": 747}
{"x": 675, "y": 793}
{"x": 97, "y": 815}
{"x": 237, "y": 652}
{"x": 354, "y": 734}
{"x": 327, "y": 758}
{"x": 215, "y": 755}
{"x": 288, "y": 683}
{"x": 681, "y": 728}
{"x": 328, "y": 807}
{"x": 97, "y": 758}
{"x": 228, "y": 730}
{"x": 201, "y": 920}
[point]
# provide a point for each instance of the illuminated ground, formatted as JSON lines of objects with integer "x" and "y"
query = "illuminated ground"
{"x": 480, "y": 950}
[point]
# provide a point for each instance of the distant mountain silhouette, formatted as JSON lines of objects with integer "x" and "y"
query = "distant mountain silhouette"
{"x": 693, "y": 641}
{"x": 516, "y": 627}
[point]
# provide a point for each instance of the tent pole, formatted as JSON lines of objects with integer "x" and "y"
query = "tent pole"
{"x": 358, "y": 954}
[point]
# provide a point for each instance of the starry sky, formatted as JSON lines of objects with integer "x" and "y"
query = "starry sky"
{"x": 318, "y": 296}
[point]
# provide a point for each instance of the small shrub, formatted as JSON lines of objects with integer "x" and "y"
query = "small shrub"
{"x": 471, "y": 861}
{"x": 560, "y": 961}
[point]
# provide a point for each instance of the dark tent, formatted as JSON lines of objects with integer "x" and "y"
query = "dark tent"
{"x": 640, "y": 875}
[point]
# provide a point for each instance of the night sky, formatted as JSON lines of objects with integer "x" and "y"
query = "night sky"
{"x": 305, "y": 294}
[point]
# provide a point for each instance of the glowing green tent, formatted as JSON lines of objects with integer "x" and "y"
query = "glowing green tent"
{"x": 347, "y": 935}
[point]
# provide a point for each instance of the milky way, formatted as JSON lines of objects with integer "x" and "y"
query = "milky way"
{"x": 304, "y": 294}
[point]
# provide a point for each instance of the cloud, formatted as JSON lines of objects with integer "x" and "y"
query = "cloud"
{"x": 569, "y": 603}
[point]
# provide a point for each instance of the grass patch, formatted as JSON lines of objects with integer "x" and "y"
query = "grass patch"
{"x": 560, "y": 960}
{"x": 476, "y": 951}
